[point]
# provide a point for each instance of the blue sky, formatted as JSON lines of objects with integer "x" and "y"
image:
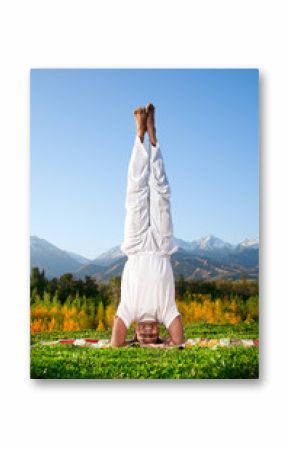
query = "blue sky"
{"x": 82, "y": 132}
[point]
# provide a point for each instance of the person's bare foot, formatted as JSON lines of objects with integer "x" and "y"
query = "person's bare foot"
{"x": 140, "y": 115}
{"x": 150, "y": 110}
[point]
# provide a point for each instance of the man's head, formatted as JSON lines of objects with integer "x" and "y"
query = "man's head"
{"x": 147, "y": 332}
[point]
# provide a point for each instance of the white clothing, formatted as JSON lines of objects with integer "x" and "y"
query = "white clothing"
{"x": 147, "y": 286}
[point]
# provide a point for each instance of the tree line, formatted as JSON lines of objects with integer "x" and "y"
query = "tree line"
{"x": 70, "y": 304}
{"x": 66, "y": 285}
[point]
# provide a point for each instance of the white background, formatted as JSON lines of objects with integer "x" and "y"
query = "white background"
{"x": 203, "y": 414}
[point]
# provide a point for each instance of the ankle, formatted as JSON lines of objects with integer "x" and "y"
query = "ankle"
{"x": 153, "y": 138}
{"x": 141, "y": 136}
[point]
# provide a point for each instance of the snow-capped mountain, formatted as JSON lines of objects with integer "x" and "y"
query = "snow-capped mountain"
{"x": 182, "y": 244}
{"x": 108, "y": 257}
{"x": 208, "y": 243}
{"x": 211, "y": 243}
{"x": 249, "y": 243}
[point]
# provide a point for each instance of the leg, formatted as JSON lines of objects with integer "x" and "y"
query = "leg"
{"x": 176, "y": 331}
{"x": 137, "y": 198}
{"x": 119, "y": 333}
{"x": 160, "y": 209}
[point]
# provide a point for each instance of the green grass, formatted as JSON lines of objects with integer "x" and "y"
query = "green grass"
{"x": 72, "y": 362}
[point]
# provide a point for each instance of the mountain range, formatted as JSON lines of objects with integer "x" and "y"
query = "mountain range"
{"x": 206, "y": 258}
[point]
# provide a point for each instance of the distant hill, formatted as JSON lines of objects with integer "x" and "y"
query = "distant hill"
{"x": 81, "y": 259}
{"x": 203, "y": 268}
{"x": 105, "y": 259}
{"x": 53, "y": 260}
{"x": 206, "y": 258}
{"x": 89, "y": 269}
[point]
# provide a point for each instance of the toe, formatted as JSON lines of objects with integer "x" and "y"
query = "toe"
{"x": 150, "y": 107}
{"x": 138, "y": 111}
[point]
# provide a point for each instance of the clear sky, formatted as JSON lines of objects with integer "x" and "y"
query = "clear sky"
{"x": 82, "y": 132}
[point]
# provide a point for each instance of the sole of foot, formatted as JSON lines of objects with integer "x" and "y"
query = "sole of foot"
{"x": 140, "y": 115}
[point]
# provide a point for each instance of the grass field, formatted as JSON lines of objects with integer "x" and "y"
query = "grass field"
{"x": 72, "y": 362}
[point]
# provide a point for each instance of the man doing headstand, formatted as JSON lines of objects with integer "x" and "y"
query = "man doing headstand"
{"x": 147, "y": 286}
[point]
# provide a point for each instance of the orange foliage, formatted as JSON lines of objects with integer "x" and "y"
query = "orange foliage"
{"x": 101, "y": 326}
{"x": 202, "y": 308}
{"x": 52, "y": 316}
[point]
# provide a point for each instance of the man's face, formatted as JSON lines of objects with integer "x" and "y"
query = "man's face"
{"x": 147, "y": 332}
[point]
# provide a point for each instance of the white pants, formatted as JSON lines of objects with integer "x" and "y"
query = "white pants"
{"x": 147, "y": 288}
